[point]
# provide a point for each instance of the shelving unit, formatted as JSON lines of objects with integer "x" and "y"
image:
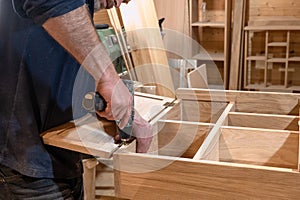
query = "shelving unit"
{"x": 210, "y": 27}
{"x": 272, "y": 58}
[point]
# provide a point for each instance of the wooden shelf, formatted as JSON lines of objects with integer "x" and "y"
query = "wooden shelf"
{"x": 278, "y": 44}
{"x": 271, "y": 28}
{"x": 272, "y": 87}
{"x": 209, "y": 24}
{"x": 276, "y": 60}
{"x": 262, "y": 58}
{"x": 296, "y": 59}
{"x": 210, "y": 56}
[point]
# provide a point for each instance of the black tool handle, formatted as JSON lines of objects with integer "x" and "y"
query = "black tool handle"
{"x": 100, "y": 103}
{"x": 94, "y": 102}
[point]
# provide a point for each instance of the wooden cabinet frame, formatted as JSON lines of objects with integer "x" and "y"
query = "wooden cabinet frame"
{"x": 251, "y": 150}
{"x": 213, "y": 144}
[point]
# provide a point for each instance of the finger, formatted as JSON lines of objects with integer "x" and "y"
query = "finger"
{"x": 143, "y": 145}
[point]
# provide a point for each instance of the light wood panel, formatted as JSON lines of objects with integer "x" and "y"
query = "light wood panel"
{"x": 183, "y": 178}
{"x": 87, "y": 135}
{"x": 197, "y": 78}
{"x": 89, "y": 173}
{"x": 262, "y": 8}
{"x": 252, "y": 102}
{"x": 147, "y": 49}
{"x": 274, "y": 148}
{"x": 175, "y": 27}
{"x": 181, "y": 139}
{"x": 237, "y": 41}
{"x": 201, "y": 111}
{"x": 212, "y": 140}
{"x": 266, "y": 121}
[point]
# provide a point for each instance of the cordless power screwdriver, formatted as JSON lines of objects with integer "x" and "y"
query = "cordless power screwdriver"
{"x": 93, "y": 102}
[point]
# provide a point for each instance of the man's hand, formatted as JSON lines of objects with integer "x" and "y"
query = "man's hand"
{"x": 118, "y": 98}
{"x": 143, "y": 132}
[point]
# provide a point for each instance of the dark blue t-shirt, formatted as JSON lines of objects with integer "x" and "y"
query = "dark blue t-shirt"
{"x": 36, "y": 83}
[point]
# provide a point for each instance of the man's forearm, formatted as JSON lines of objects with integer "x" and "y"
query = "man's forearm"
{"x": 75, "y": 32}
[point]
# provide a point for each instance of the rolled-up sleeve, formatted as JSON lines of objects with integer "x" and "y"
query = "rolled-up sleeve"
{"x": 41, "y": 10}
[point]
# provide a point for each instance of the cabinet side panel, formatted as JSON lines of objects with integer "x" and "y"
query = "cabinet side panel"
{"x": 191, "y": 180}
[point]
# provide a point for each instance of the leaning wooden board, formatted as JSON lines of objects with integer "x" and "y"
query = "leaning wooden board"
{"x": 217, "y": 144}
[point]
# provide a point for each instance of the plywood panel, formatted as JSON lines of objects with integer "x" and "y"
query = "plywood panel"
{"x": 180, "y": 138}
{"x": 252, "y": 102}
{"x": 176, "y": 28}
{"x": 184, "y": 178}
{"x": 253, "y": 120}
{"x": 177, "y": 22}
{"x": 236, "y": 50}
{"x": 259, "y": 147}
{"x": 274, "y": 8}
{"x": 263, "y": 12}
{"x": 86, "y": 135}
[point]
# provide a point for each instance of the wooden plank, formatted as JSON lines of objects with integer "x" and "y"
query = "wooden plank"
{"x": 299, "y": 143}
{"x": 245, "y": 63}
{"x": 266, "y": 63}
{"x": 227, "y": 42}
{"x": 176, "y": 29}
{"x": 89, "y": 182}
{"x": 197, "y": 78}
{"x": 267, "y": 121}
{"x": 104, "y": 179}
{"x": 274, "y": 21}
{"x": 87, "y": 136}
{"x": 287, "y": 55}
{"x": 181, "y": 139}
{"x": 149, "y": 106}
{"x": 188, "y": 179}
{"x": 272, "y": 28}
{"x": 201, "y": 111}
{"x": 220, "y": 24}
{"x": 167, "y": 8}
{"x": 251, "y": 102}
{"x": 147, "y": 49}
{"x": 275, "y": 148}
{"x": 239, "y": 15}
{"x": 213, "y": 137}
{"x": 273, "y": 9}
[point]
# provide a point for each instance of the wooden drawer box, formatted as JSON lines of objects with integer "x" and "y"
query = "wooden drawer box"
{"x": 216, "y": 144}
